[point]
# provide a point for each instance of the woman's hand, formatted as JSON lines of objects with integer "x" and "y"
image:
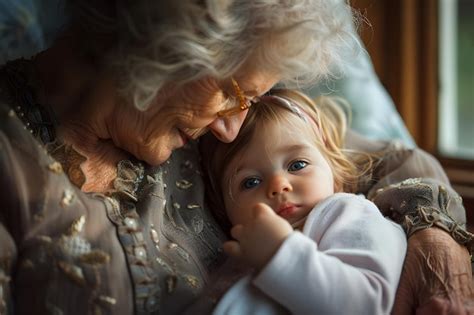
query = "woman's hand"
{"x": 257, "y": 240}
{"x": 436, "y": 277}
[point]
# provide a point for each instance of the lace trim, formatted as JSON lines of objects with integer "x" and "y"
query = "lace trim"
{"x": 419, "y": 204}
{"x": 129, "y": 176}
{"x": 426, "y": 217}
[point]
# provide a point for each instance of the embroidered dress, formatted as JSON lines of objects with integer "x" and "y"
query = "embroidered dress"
{"x": 145, "y": 248}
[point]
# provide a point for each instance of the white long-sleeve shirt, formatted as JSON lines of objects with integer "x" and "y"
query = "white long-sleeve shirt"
{"x": 347, "y": 260}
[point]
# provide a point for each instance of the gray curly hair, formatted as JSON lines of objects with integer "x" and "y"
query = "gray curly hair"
{"x": 151, "y": 43}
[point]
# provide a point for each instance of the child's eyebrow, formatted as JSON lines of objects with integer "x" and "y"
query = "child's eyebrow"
{"x": 239, "y": 169}
{"x": 294, "y": 147}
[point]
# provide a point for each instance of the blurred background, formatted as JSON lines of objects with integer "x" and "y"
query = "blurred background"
{"x": 423, "y": 52}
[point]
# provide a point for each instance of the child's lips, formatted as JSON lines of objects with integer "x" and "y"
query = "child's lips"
{"x": 287, "y": 209}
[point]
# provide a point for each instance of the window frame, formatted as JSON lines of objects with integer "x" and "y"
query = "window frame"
{"x": 402, "y": 40}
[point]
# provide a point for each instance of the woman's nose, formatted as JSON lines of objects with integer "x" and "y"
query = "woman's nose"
{"x": 278, "y": 185}
{"x": 226, "y": 128}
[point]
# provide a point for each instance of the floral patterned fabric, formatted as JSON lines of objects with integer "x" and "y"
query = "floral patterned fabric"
{"x": 146, "y": 248}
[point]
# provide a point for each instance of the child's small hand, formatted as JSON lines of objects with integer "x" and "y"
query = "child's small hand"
{"x": 257, "y": 240}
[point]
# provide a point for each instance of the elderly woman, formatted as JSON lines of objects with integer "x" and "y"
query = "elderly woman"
{"x": 97, "y": 215}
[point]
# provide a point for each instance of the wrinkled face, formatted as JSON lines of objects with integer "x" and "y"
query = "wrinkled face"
{"x": 281, "y": 167}
{"x": 188, "y": 112}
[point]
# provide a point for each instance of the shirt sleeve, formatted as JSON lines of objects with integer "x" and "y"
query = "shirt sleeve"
{"x": 8, "y": 249}
{"x": 348, "y": 262}
{"x": 396, "y": 164}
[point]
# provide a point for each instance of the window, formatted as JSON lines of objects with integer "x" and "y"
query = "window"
{"x": 423, "y": 52}
{"x": 456, "y": 79}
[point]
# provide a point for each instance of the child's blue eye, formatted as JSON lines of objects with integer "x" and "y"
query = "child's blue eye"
{"x": 251, "y": 182}
{"x": 297, "y": 165}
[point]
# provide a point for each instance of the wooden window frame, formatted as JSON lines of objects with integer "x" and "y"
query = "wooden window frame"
{"x": 402, "y": 40}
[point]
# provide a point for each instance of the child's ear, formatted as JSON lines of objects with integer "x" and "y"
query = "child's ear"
{"x": 338, "y": 186}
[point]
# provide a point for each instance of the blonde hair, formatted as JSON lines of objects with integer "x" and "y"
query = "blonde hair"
{"x": 329, "y": 125}
{"x": 151, "y": 43}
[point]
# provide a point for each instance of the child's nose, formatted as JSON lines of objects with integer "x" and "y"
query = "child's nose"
{"x": 278, "y": 185}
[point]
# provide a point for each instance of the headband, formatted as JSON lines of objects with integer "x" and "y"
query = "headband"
{"x": 294, "y": 108}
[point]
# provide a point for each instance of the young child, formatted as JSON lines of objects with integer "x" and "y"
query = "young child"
{"x": 285, "y": 184}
